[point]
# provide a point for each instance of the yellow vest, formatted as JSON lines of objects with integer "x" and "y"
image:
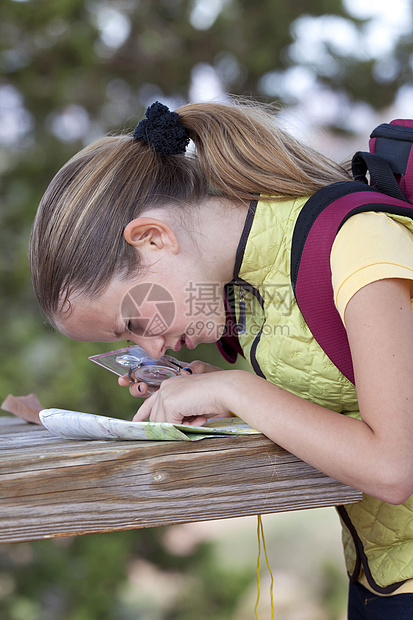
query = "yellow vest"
{"x": 280, "y": 347}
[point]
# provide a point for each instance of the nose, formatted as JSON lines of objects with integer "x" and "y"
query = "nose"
{"x": 154, "y": 346}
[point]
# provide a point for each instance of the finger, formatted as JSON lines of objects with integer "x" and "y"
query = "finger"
{"x": 198, "y": 367}
{"x": 154, "y": 410}
{"x": 142, "y": 390}
{"x": 194, "y": 420}
{"x": 145, "y": 409}
{"x": 186, "y": 371}
{"x": 138, "y": 389}
{"x": 195, "y": 368}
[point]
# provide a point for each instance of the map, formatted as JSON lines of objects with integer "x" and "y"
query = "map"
{"x": 79, "y": 425}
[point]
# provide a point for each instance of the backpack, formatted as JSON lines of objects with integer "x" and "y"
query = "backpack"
{"x": 390, "y": 167}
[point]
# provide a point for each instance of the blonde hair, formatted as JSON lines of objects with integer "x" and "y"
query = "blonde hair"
{"x": 77, "y": 243}
{"x": 243, "y": 151}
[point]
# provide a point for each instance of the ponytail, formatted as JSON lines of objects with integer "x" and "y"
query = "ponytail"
{"x": 243, "y": 152}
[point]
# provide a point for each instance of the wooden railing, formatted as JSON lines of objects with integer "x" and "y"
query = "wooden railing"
{"x": 54, "y": 487}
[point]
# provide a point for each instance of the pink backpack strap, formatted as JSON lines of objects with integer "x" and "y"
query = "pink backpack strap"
{"x": 316, "y": 228}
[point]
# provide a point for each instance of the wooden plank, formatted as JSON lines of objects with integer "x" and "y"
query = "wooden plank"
{"x": 53, "y": 487}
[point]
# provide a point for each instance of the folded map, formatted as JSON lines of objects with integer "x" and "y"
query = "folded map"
{"x": 79, "y": 425}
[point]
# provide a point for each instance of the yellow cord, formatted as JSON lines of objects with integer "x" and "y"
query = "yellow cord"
{"x": 260, "y": 534}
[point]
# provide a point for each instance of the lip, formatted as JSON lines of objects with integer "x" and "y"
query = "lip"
{"x": 178, "y": 345}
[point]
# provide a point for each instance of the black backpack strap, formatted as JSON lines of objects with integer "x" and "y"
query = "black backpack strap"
{"x": 228, "y": 345}
{"x": 315, "y": 230}
{"x": 381, "y": 174}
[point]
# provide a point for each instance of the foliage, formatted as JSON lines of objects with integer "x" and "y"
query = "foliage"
{"x": 83, "y": 579}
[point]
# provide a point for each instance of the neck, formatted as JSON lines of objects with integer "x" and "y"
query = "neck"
{"x": 219, "y": 223}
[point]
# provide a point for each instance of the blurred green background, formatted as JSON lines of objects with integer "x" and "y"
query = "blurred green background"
{"x": 73, "y": 70}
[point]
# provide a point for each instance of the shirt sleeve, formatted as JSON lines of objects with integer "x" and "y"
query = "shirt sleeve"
{"x": 369, "y": 247}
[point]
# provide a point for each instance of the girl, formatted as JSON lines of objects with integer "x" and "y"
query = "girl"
{"x": 133, "y": 215}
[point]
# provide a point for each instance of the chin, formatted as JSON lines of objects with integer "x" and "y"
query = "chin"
{"x": 211, "y": 339}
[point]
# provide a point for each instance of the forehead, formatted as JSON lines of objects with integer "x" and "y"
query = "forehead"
{"x": 97, "y": 319}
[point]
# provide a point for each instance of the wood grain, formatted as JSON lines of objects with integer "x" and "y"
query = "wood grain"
{"x": 54, "y": 487}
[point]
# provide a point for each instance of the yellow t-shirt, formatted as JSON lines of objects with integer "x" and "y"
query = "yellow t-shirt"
{"x": 369, "y": 247}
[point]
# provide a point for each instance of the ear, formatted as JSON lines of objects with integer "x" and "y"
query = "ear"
{"x": 150, "y": 234}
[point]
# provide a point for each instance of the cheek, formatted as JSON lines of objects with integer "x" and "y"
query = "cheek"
{"x": 209, "y": 326}
{"x": 205, "y": 305}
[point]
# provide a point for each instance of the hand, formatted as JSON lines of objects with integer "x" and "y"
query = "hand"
{"x": 139, "y": 389}
{"x": 191, "y": 399}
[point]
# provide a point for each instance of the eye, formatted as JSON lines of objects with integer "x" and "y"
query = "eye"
{"x": 133, "y": 327}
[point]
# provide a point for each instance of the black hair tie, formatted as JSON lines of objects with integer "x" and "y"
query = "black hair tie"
{"x": 162, "y": 130}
